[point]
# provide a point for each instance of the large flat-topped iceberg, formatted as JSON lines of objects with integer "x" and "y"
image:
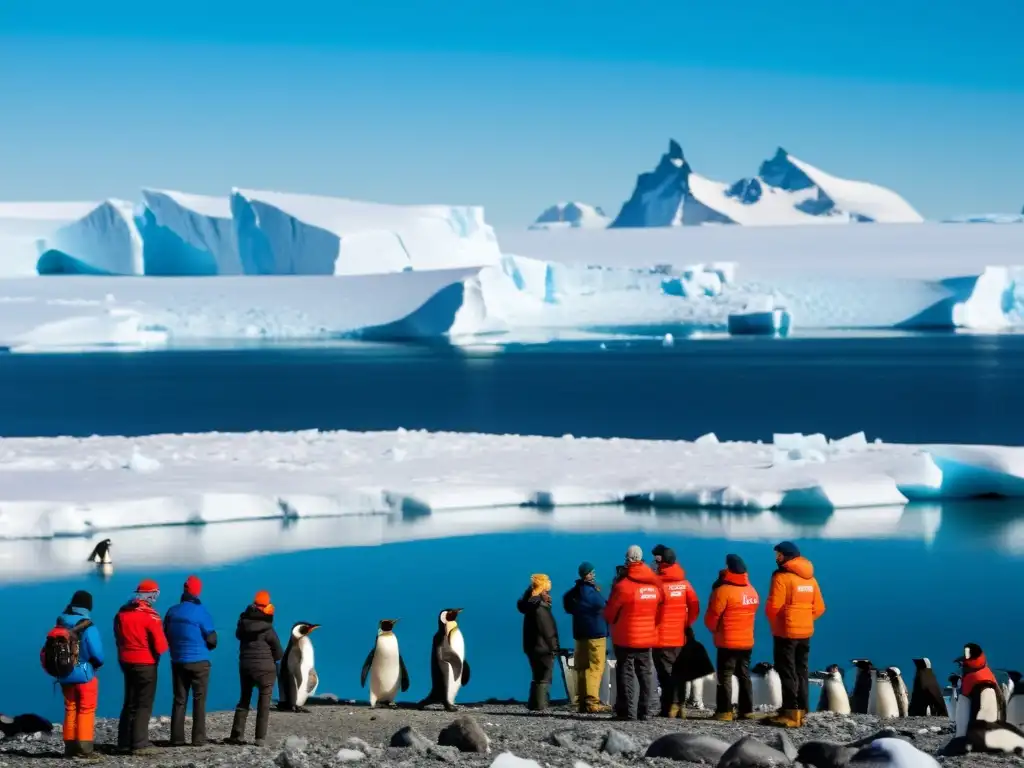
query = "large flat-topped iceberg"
{"x": 105, "y": 241}
{"x": 187, "y": 234}
{"x": 67, "y": 486}
{"x": 296, "y": 234}
{"x": 23, "y": 225}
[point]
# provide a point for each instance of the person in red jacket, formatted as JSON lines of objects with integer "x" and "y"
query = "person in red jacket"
{"x": 139, "y": 633}
{"x": 633, "y": 612}
{"x": 730, "y": 616}
{"x": 681, "y": 609}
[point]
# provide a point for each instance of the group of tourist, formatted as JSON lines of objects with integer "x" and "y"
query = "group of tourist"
{"x": 73, "y": 654}
{"x": 649, "y": 614}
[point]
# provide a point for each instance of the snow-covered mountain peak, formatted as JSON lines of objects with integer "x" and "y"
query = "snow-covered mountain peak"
{"x": 571, "y": 215}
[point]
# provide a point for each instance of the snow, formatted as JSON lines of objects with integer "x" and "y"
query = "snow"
{"x": 988, "y": 218}
{"x": 571, "y": 216}
{"x": 307, "y": 235}
{"x": 22, "y": 225}
{"x": 70, "y": 486}
{"x": 80, "y": 312}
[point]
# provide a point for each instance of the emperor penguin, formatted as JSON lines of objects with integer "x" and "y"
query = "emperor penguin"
{"x": 385, "y": 666}
{"x": 767, "y": 687}
{"x": 883, "y": 696}
{"x": 101, "y": 553}
{"x": 1015, "y": 704}
{"x": 297, "y": 679}
{"x": 449, "y": 670}
{"x": 861, "y": 698}
{"x": 982, "y": 701}
{"x": 899, "y": 689}
{"x": 926, "y": 697}
{"x": 833, "y": 691}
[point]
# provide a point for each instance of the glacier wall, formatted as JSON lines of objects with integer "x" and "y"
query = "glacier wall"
{"x": 188, "y": 235}
{"x": 105, "y": 241}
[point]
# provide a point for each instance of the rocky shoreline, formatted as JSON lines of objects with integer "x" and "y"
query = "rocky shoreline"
{"x": 336, "y": 733}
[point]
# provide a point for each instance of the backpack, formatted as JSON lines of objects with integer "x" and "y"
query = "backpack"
{"x": 60, "y": 653}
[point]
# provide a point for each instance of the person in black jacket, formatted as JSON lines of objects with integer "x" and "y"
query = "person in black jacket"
{"x": 259, "y": 650}
{"x": 540, "y": 638}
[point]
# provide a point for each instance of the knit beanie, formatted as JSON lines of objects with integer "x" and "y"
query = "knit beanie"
{"x": 787, "y": 549}
{"x": 735, "y": 564}
{"x": 634, "y": 554}
{"x": 193, "y": 586}
{"x": 81, "y": 599}
{"x": 668, "y": 556}
{"x": 585, "y": 569}
{"x": 539, "y": 584}
{"x": 262, "y": 601}
{"x": 659, "y": 551}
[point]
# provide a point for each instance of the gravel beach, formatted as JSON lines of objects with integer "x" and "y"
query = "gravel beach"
{"x": 335, "y": 733}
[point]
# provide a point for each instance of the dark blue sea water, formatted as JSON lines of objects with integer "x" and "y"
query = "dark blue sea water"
{"x": 951, "y": 388}
{"x": 937, "y": 578}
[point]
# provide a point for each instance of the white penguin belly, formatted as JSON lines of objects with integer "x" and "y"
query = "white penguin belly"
{"x": 300, "y": 664}
{"x": 768, "y": 691}
{"x": 988, "y": 706}
{"x": 1015, "y": 711}
{"x": 886, "y": 705}
{"x": 385, "y": 673}
{"x": 963, "y": 714}
{"x": 458, "y": 644}
{"x": 838, "y": 699}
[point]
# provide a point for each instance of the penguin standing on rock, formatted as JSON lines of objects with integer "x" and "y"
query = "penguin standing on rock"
{"x": 884, "y": 703}
{"x": 1015, "y": 704}
{"x": 861, "y": 699}
{"x": 297, "y": 679}
{"x": 980, "y": 698}
{"x": 767, "y": 687}
{"x": 384, "y": 666}
{"x": 926, "y": 697}
{"x": 833, "y": 691}
{"x": 449, "y": 670}
{"x": 899, "y": 689}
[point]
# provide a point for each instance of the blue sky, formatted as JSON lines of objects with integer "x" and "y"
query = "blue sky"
{"x": 510, "y": 105}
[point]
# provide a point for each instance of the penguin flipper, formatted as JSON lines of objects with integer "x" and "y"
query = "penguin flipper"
{"x": 404, "y": 673}
{"x": 366, "y": 668}
{"x": 465, "y": 672}
{"x": 451, "y": 658}
{"x": 312, "y": 681}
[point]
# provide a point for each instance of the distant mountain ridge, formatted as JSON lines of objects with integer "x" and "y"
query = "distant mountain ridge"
{"x": 571, "y": 215}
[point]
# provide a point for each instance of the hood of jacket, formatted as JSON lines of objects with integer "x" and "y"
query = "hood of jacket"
{"x": 672, "y": 572}
{"x": 799, "y": 566}
{"x": 254, "y": 622}
{"x": 725, "y": 576}
{"x": 642, "y": 573}
{"x": 73, "y": 616}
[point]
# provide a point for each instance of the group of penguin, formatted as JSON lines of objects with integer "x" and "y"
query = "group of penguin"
{"x": 384, "y": 666}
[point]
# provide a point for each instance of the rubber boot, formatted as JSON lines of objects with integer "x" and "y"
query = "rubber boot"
{"x": 673, "y": 711}
{"x": 87, "y": 752}
{"x": 722, "y": 717}
{"x": 238, "y": 727}
{"x": 542, "y": 696}
{"x": 531, "y": 700}
{"x": 71, "y": 749}
{"x": 800, "y": 718}
{"x": 786, "y": 718}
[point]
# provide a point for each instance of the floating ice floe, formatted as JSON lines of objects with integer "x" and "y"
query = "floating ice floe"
{"x": 66, "y": 486}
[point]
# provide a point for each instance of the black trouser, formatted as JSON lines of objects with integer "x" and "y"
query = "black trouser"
{"x": 791, "y": 664}
{"x": 734, "y": 662}
{"x": 664, "y": 663}
{"x": 633, "y": 671}
{"x": 189, "y": 676}
{"x": 542, "y": 666}
{"x": 139, "y": 693}
{"x": 264, "y": 683}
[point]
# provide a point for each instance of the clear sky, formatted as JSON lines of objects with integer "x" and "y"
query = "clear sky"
{"x": 512, "y": 104}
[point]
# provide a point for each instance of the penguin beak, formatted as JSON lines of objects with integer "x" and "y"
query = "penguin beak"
{"x": 312, "y": 627}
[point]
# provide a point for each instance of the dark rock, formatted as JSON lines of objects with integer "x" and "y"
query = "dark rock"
{"x": 465, "y": 734}
{"x": 444, "y": 754}
{"x": 618, "y": 743}
{"x": 410, "y": 737}
{"x": 689, "y": 747}
{"x": 748, "y": 752}
{"x": 785, "y": 745}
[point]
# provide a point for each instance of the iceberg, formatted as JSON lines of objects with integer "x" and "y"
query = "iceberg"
{"x": 188, "y": 235}
{"x": 76, "y": 487}
{"x": 307, "y": 235}
{"x": 105, "y": 241}
{"x": 571, "y": 216}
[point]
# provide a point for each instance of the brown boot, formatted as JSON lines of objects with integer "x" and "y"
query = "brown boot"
{"x": 597, "y": 709}
{"x": 786, "y": 718}
{"x": 682, "y": 712}
{"x": 722, "y": 717}
{"x": 673, "y": 711}
{"x": 800, "y": 718}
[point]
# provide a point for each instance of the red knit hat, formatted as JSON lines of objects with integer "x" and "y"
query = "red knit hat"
{"x": 146, "y": 586}
{"x": 262, "y": 600}
{"x": 193, "y": 586}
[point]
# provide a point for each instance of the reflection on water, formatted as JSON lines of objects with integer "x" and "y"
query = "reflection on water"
{"x": 898, "y": 583}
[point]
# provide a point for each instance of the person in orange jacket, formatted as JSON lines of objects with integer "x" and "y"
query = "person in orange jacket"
{"x": 732, "y": 610}
{"x": 681, "y": 609}
{"x": 633, "y": 612}
{"x": 794, "y": 604}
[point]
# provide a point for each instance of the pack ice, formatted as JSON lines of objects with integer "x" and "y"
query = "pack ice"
{"x": 69, "y": 486}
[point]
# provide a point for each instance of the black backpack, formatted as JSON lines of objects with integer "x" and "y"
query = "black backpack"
{"x": 60, "y": 653}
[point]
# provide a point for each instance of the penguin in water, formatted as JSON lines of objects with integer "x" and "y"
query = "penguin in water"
{"x": 833, "y": 691}
{"x": 767, "y": 687}
{"x": 980, "y": 697}
{"x": 926, "y": 698}
{"x": 883, "y": 696}
{"x": 1015, "y": 704}
{"x": 449, "y": 670}
{"x": 861, "y": 698}
{"x": 297, "y": 679}
{"x": 899, "y": 689}
{"x": 385, "y": 666}
{"x": 100, "y": 554}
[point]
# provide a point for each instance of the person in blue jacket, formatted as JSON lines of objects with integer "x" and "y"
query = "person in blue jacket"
{"x": 81, "y": 686}
{"x": 191, "y": 637}
{"x": 585, "y": 603}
